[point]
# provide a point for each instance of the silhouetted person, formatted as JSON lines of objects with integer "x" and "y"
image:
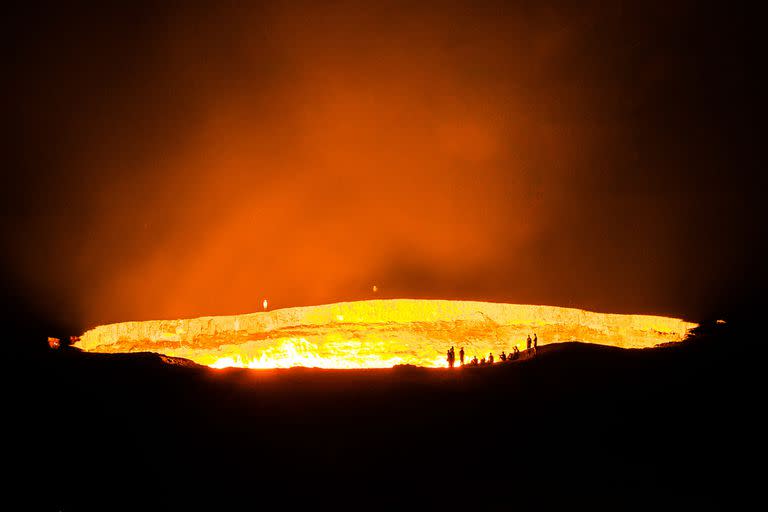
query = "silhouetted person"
{"x": 482, "y": 361}
{"x": 451, "y": 358}
{"x": 475, "y": 362}
{"x": 528, "y": 345}
{"x": 461, "y": 356}
{"x": 535, "y": 343}
{"x": 515, "y": 352}
{"x": 490, "y": 358}
{"x": 503, "y": 356}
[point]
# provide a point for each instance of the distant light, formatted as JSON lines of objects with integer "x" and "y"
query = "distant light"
{"x": 265, "y": 304}
{"x": 375, "y": 288}
{"x": 54, "y": 342}
{"x": 340, "y": 318}
{"x": 720, "y": 321}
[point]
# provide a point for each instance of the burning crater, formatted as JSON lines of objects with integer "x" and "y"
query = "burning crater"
{"x": 376, "y": 333}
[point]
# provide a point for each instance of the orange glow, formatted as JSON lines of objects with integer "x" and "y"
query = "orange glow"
{"x": 376, "y": 333}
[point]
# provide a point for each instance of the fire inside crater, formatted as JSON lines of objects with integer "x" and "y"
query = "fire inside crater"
{"x": 376, "y": 333}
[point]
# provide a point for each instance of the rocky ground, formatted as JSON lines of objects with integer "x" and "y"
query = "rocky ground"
{"x": 578, "y": 424}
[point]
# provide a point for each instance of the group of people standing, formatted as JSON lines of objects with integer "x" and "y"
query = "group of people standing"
{"x": 532, "y": 346}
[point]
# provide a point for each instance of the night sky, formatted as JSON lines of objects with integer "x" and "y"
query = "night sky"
{"x": 173, "y": 161}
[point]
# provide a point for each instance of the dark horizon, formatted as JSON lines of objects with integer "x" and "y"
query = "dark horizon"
{"x": 166, "y": 162}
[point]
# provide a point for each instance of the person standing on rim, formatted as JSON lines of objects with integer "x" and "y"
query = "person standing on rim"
{"x": 461, "y": 356}
{"x": 528, "y": 345}
{"x": 535, "y": 343}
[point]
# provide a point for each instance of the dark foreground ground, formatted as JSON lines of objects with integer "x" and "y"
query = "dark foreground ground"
{"x": 674, "y": 426}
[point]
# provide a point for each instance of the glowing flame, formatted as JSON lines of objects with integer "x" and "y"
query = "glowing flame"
{"x": 377, "y": 333}
{"x": 300, "y": 352}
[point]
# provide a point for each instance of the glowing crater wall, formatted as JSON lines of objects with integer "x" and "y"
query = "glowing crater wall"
{"x": 376, "y": 333}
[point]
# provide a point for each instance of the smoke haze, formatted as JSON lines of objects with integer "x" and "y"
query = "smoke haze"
{"x": 176, "y": 162}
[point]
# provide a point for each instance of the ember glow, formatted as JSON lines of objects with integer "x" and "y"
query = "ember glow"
{"x": 376, "y": 333}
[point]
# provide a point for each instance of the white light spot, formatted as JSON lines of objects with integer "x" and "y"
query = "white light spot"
{"x": 265, "y": 304}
